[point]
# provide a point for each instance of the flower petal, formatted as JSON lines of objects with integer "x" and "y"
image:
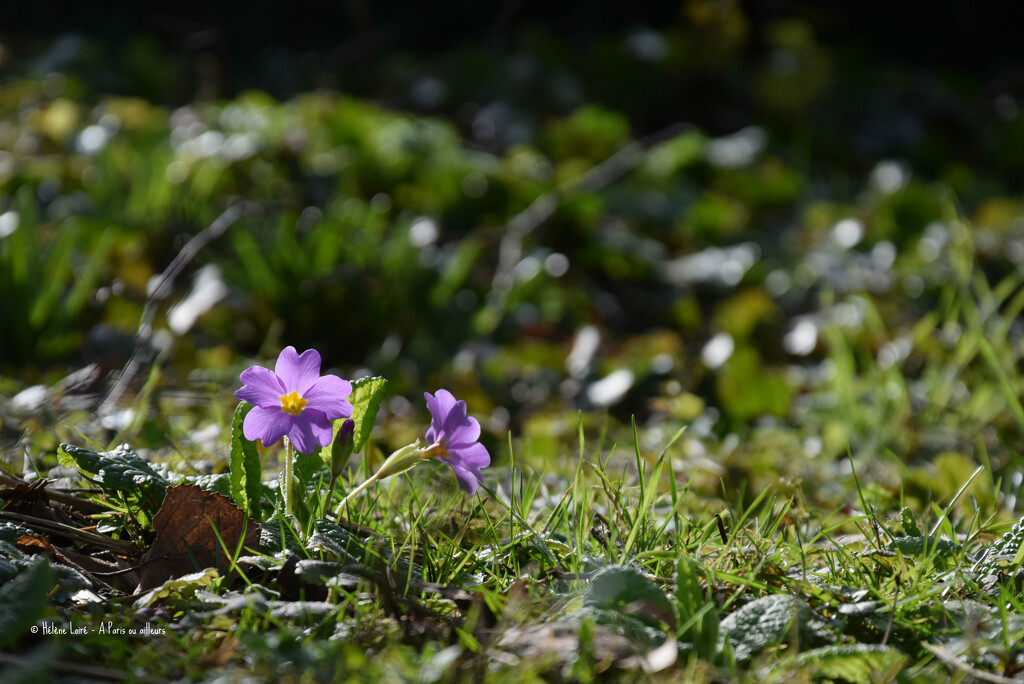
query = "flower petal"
{"x": 266, "y": 424}
{"x": 431, "y": 434}
{"x": 473, "y": 456}
{"x": 309, "y": 430}
{"x": 455, "y": 419}
{"x": 468, "y": 481}
{"x": 328, "y": 394}
{"x": 439, "y": 405}
{"x": 466, "y": 432}
{"x": 261, "y": 387}
{"x": 298, "y": 372}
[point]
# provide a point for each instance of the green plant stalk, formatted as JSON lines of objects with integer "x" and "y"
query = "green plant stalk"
{"x": 286, "y": 484}
{"x": 355, "y": 492}
{"x": 398, "y": 462}
{"x": 330, "y": 494}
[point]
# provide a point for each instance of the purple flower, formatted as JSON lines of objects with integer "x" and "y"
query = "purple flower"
{"x": 293, "y": 400}
{"x": 453, "y": 436}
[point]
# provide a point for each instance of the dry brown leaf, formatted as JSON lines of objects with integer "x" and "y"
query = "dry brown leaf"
{"x": 185, "y": 538}
{"x": 34, "y": 543}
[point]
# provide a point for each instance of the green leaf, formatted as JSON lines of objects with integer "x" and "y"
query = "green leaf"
{"x": 940, "y": 549}
{"x": 11, "y": 532}
{"x": 182, "y": 587}
{"x": 637, "y": 630}
{"x": 308, "y": 465}
{"x": 367, "y": 393}
{"x": 854, "y": 663}
{"x": 246, "y": 472}
{"x": 218, "y": 482}
{"x": 1005, "y": 554}
{"x": 7, "y": 570}
{"x": 455, "y": 274}
{"x": 632, "y": 606}
{"x": 121, "y": 470}
{"x": 624, "y": 589}
{"x": 689, "y": 595}
{"x": 23, "y": 600}
{"x": 910, "y": 527}
{"x": 335, "y": 541}
{"x": 768, "y": 621}
{"x": 698, "y": 615}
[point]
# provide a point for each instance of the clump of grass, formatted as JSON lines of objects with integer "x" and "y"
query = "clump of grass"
{"x": 580, "y": 572}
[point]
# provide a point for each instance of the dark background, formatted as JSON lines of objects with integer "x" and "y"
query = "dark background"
{"x": 220, "y": 49}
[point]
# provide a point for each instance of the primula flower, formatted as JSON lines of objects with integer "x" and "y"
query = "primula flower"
{"x": 453, "y": 439}
{"x": 293, "y": 400}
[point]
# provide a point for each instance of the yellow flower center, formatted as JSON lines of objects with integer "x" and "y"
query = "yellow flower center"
{"x": 293, "y": 403}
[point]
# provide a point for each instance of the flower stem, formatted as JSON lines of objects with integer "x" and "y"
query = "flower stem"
{"x": 355, "y": 492}
{"x": 398, "y": 462}
{"x": 286, "y": 486}
{"x": 330, "y": 494}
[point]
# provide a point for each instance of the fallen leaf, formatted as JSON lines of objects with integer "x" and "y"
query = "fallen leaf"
{"x": 34, "y": 543}
{"x": 187, "y": 527}
{"x": 28, "y": 499}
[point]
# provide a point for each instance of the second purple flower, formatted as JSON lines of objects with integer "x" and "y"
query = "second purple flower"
{"x": 453, "y": 438}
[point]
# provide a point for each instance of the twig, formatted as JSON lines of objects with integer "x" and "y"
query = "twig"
{"x": 55, "y": 494}
{"x": 118, "y": 573}
{"x": 117, "y": 545}
{"x": 951, "y": 660}
{"x": 161, "y": 290}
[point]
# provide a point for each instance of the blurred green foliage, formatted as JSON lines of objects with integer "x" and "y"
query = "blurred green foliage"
{"x": 711, "y": 220}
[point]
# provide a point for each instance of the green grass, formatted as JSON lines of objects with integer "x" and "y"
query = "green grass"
{"x": 572, "y": 570}
{"x": 848, "y": 514}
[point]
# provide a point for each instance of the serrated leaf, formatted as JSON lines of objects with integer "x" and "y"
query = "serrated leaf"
{"x": 917, "y": 546}
{"x": 121, "y": 470}
{"x": 367, "y": 393}
{"x": 334, "y": 540}
{"x": 23, "y": 600}
{"x": 246, "y": 471}
{"x": 766, "y": 622}
{"x": 219, "y": 483}
{"x": 854, "y": 663}
{"x": 1007, "y": 552}
{"x": 278, "y": 537}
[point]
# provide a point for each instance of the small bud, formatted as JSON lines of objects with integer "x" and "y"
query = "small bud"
{"x": 341, "y": 450}
{"x": 400, "y": 461}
